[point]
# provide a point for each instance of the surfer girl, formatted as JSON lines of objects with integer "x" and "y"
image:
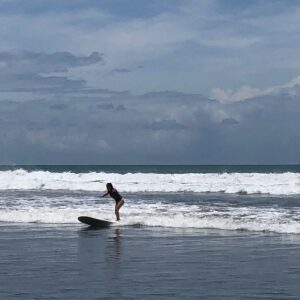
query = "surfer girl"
{"x": 111, "y": 191}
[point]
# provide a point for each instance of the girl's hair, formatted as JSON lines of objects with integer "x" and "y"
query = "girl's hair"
{"x": 109, "y": 185}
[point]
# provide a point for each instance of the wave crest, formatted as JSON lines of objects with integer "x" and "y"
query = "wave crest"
{"x": 287, "y": 183}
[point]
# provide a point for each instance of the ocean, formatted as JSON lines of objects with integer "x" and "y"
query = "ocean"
{"x": 186, "y": 232}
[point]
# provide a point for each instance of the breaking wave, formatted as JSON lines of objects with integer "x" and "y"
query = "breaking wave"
{"x": 287, "y": 183}
{"x": 165, "y": 215}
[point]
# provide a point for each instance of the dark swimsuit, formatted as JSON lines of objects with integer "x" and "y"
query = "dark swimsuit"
{"x": 115, "y": 194}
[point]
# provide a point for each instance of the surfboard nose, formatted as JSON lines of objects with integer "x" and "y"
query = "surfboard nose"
{"x": 94, "y": 222}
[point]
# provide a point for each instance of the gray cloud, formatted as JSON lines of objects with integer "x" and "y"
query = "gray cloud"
{"x": 121, "y": 70}
{"x": 105, "y": 106}
{"x": 165, "y": 125}
{"x": 63, "y": 120}
{"x": 230, "y": 121}
{"x": 59, "y": 106}
{"x": 31, "y": 62}
{"x": 26, "y": 71}
{"x": 156, "y": 128}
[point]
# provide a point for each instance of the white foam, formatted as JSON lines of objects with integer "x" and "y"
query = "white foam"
{"x": 277, "y": 184}
{"x": 157, "y": 215}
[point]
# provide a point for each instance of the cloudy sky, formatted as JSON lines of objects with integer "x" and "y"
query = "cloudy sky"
{"x": 149, "y": 82}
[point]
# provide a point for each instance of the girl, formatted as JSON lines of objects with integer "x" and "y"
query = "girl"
{"x": 118, "y": 198}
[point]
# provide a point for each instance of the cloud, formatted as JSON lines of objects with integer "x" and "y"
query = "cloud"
{"x": 91, "y": 24}
{"x": 245, "y": 92}
{"x": 230, "y": 121}
{"x": 30, "y": 71}
{"x": 165, "y": 125}
{"x": 121, "y": 70}
{"x": 228, "y": 95}
{"x": 59, "y": 103}
{"x": 210, "y": 41}
{"x": 59, "y": 106}
{"x": 32, "y": 62}
{"x": 162, "y": 128}
{"x": 106, "y": 106}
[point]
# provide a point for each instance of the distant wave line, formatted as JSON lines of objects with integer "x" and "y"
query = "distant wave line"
{"x": 287, "y": 183}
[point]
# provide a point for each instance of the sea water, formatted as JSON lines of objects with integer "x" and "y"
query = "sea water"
{"x": 197, "y": 232}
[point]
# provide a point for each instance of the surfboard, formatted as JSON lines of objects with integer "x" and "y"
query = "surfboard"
{"x": 94, "y": 222}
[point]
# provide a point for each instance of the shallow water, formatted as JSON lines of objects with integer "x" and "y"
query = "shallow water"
{"x": 262, "y": 213}
{"x": 71, "y": 262}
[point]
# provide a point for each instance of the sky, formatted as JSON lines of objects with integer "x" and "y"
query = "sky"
{"x": 149, "y": 82}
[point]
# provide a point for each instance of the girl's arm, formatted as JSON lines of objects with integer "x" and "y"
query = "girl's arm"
{"x": 105, "y": 194}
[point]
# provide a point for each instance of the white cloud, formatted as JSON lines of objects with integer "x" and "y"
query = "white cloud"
{"x": 229, "y": 95}
{"x": 247, "y": 92}
{"x": 294, "y": 82}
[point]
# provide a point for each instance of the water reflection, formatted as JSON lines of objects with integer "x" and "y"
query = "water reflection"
{"x": 113, "y": 262}
{"x": 100, "y": 256}
{"x": 117, "y": 242}
{"x": 114, "y": 246}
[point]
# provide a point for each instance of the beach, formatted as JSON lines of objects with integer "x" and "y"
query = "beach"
{"x": 149, "y": 150}
{"x": 178, "y": 236}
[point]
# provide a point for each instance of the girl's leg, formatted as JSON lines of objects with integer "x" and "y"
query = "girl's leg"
{"x": 117, "y": 208}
